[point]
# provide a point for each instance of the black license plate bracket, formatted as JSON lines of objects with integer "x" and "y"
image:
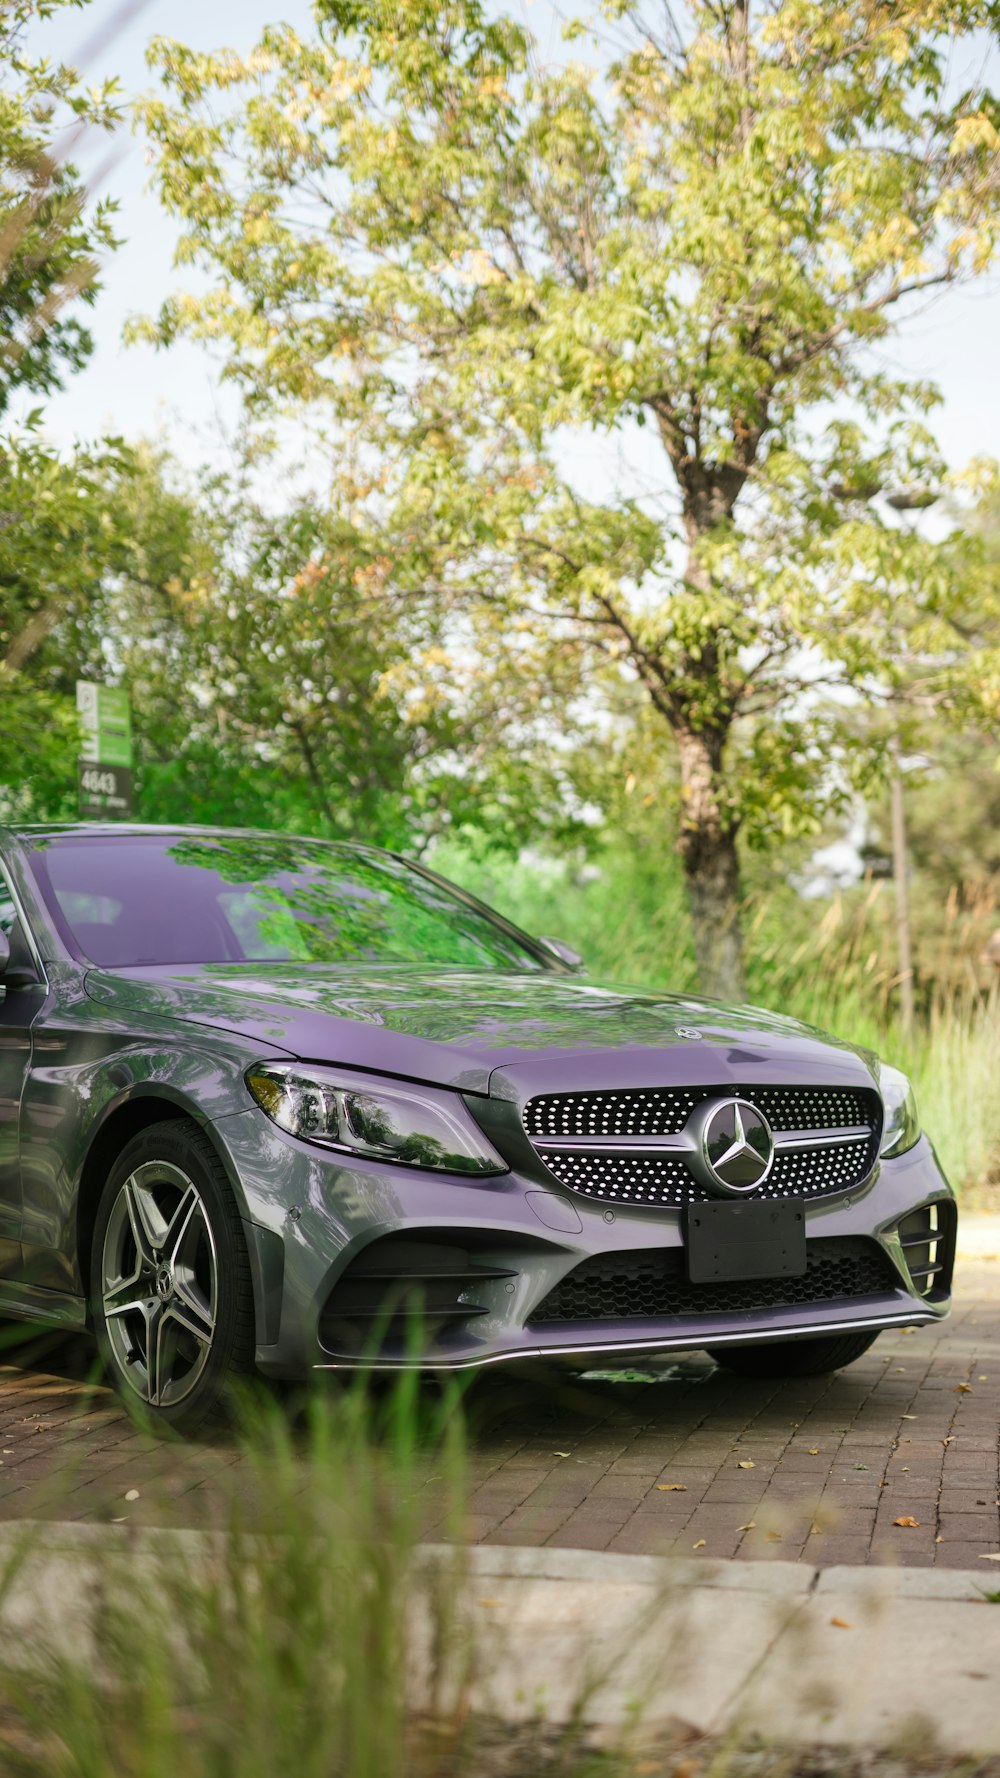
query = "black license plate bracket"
{"x": 744, "y": 1240}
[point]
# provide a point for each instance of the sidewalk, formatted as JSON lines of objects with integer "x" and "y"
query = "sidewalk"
{"x": 849, "y": 1656}
{"x": 840, "y": 1656}
{"x": 979, "y": 1236}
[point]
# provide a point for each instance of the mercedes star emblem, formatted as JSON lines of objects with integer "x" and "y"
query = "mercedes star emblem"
{"x": 737, "y": 1147}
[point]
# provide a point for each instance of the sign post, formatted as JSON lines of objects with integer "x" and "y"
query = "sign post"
{"x": 105, "y": 780}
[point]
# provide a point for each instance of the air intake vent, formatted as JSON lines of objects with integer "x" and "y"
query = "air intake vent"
{"x": 928, "y": 1241}
{"x": 400, "y": 1296}
{"x": 652, "y": 1286}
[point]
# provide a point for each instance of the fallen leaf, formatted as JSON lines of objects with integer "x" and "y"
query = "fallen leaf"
{"x": 841, "y": 1623}
{"x": 946, "y": 1442}
{"x": 561, "y": 1453}
{"x": 994, "y": 1556}
{"x": 963, "y": 1388}
{"x": 746, "y": 1463}
{"x": 907, "y": 1416}
{"x": 751, "y": 1525}
{"x": 813, "y": 1451}
{"x": 774, "y": 1537}
{"x": 133, "y": 1494}
{"x": 939, "y": 1540}
{"x": 883, "y": 1484}
{"x": 861, "y": 1466}
{"x": 981, "y": 1379}
{"x": 671, "y": 1487}
{"x": 42, "y": 1426}
{"x": 907, "y": 1521}
{"x": 700, "y": 1545}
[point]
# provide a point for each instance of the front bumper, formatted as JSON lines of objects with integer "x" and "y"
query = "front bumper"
{"x": 483, "y": 1259}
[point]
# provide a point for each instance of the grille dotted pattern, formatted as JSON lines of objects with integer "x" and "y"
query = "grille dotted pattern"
{"x": 651, "y": 1286}
{"x": 632, "y": 1179}
{"x": 665, "y": 1179}
{"x": 798, "y": 1172}
{"x": 812, "y": 1108}
{"x": 651, "y": 1112}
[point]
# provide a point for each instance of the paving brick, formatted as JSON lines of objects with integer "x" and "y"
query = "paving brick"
{"x": 694, "y": 1427}
{"x": 954, "y": 1554}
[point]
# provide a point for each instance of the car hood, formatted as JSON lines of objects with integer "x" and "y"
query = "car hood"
{"x": 483, "y": 1030}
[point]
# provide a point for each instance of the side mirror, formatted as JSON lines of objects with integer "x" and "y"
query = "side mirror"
{"x": 564, "y": 952}
{"x": 13, "y": 973}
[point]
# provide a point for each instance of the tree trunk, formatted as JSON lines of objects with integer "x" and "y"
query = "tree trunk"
{"x": 29, "y": 640}
{"x": 707, "y": 845}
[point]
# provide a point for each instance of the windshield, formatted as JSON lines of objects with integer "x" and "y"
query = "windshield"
{"x": 132, "y": 899}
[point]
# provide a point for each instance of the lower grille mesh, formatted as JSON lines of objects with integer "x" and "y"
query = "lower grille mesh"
{"x": 651, "y": 1286}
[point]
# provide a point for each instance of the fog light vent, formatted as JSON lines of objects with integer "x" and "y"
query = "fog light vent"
{"x": 399, "y": 1296}
{"x": 928, "y": 1241}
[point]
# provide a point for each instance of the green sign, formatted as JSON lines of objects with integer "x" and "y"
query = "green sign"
{"x": 106, "y": 720}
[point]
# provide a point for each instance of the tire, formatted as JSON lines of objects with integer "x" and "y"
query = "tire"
{"x": 170, "y": 1279}
{"x": 794, "y": 1358}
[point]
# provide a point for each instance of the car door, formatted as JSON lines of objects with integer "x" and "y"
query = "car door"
{"x": 18, "y": 1007}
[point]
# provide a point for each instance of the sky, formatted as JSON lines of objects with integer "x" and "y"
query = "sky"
{"x": 136, "y": 391}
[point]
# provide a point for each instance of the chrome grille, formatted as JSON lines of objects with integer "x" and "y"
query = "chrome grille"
{"x": 604, "y": 1144}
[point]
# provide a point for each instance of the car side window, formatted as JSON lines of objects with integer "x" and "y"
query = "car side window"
{"x": 8, "y": 912}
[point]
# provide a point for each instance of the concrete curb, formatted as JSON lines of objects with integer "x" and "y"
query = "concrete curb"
{"x": 801, "y": 1655}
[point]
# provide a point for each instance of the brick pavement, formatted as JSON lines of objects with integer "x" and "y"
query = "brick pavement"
{"x": 687, "y": 1459}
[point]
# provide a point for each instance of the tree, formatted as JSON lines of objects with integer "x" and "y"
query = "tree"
{"x": 702, "y": 226}
{"x": 50, "y": 244}
{"x": 276, "y": 682}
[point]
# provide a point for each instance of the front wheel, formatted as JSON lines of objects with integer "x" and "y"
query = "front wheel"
{"x": 173, "y": 1296}
{"x": 794, "y": 1358}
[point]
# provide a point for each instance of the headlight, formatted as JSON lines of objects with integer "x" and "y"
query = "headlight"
{"x": 412, "y": 1125}
{"x": 902, "y": 1125}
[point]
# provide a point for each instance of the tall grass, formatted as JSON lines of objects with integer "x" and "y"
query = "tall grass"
{"x": 311, "y": 1635}
{"x": 830, "y": 963}
{"x": 287, "y": 1649}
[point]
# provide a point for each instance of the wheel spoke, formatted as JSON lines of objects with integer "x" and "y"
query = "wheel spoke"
{"x": 195, "y": 1321}
{"x": 147, "y": 1225}
{"x": 161, "y": 1348}
{"x": 191, "y": 1298}
{"x": 127, "y": 1294}
{"x": 184, "y": 1224}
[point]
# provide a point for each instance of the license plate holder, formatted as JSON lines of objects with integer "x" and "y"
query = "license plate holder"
{"x": 736, "y": 1240}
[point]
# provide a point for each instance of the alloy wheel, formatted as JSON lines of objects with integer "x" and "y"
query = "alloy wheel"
{"x": 160, "y": 1283}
